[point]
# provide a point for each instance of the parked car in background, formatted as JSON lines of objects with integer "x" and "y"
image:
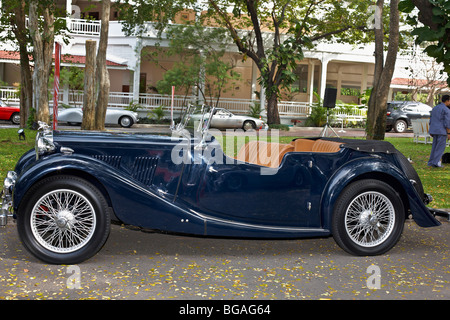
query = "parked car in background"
{"x": 9, "y": 113}
{"x": 224, "y": 119}
{"x": 122, "y": 117}
{"x": 400, "y": 114}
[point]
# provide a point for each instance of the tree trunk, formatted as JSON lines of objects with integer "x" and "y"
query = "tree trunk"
{"x": 26, "y": 88}
{"x": 376, "y": 117}
{"x": 89, "y": 87}
{"x": 273, "y": 116}
{"x": 102, "y": 72}
{"x": 43, "y": 50}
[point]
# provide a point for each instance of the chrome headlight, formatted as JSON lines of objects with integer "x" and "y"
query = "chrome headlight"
{"x": 9, "y": 182}
{"x": 44, "y": 140}
{"x": 12, "y": 175}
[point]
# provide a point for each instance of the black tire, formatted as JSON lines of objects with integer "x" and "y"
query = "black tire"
{"x": 249, "y": 125}
{"x": 63, "y": 220}
{"x": 368, "y": 218}
{"x": 126, "y": 122}
{"x": 400, "y": 126}
{"x": 15, "y": 118}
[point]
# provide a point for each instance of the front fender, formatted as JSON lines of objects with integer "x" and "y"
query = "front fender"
{"x": 54, "y": 164}
{"x": 132, "y": 202}
{"x": 370, "y": 168}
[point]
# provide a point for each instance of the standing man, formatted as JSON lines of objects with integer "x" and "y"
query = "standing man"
{"x": 439, "y": 123}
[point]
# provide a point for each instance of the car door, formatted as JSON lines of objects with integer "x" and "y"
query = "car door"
{"x": 221, "y": 119}
{"x": 412, "y": 112}
{"x": 6, "y": 111}
{"x": 289, "y": 197}
{"x": 424, "y": 110}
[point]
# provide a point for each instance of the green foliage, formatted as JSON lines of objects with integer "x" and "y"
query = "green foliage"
{"x": 11, "y": 148}
{"x": 31, "y": 118}
{"x": 135, "y": 14}
{"x": 304, "y": 22}
{"x": 203, "y": 65}
{"x": 157, "y": 113}
{"x": 133, "y": 106}
{"x": 434, "y": 33}
{"x": 318, "y": 115}
{"x": 283, "y": 127}
{"x": 255, "y": 110}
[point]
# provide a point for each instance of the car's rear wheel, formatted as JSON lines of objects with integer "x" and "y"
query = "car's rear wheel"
{"x": 126, "y": 121}
{"x": 368, "y": 218}
{"x": 400, "y": 126}
{"x": 63, "y": 220}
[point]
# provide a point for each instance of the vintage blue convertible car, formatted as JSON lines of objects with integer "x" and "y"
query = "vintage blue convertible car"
{"x": 66, "y": 192}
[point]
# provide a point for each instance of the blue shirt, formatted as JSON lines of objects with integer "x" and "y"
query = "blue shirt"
{"x": 440, "y": 119}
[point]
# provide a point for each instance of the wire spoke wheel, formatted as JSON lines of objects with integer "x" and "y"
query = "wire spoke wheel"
{"x": 63, "y": 221}
{"x": 370, "y": 219}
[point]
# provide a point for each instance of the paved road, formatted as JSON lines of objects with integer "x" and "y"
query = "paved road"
{"x": 136, "y": 265}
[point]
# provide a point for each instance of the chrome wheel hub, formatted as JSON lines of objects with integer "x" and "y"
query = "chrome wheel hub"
{"x": 370, "y": 219}
{"x": 64, "y": 219}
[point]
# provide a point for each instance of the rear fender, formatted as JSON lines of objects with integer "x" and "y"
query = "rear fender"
{"x": 383, "y": 170}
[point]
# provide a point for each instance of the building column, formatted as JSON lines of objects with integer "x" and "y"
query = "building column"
{"x": 339, "y": 83}
{"x": 254, "y": 80}
{"x": 312, "y": 66}
{"x": 323, "y": 78}
{"x": 364, "y": 78}
{"x": 137, "y": 72}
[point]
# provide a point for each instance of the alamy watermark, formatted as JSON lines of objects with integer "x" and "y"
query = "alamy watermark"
{"x": 376, "y": 19}
{"x": 74, "y": 280}
{"x": 373, "y": 282}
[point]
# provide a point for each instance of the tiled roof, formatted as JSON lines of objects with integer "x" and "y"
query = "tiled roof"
{"x": 417, "y": 82}
{"x": 66, "y": 58}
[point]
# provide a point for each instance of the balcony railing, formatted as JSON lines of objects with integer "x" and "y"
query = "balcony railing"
{"x": 85, "y": 27}
{"x": 148, "y": 102}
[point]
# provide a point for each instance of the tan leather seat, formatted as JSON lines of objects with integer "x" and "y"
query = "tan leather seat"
{"x": 307, "y": 145}
{"x": 326, "y": 146}
{"x": 303, "y": 145}
{"x": 268, "y": 154}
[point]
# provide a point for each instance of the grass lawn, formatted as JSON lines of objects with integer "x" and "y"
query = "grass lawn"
{"x": 436, "y": 181}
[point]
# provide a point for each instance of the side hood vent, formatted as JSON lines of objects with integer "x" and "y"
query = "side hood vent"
{"x": 144, "y": 169}
{"x": 113, "y": 161}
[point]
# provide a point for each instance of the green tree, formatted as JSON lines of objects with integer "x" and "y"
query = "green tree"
{"x": 13, "y": 30}
{"x": 293, "y": 24}
{"x": 203, "y": 65}
{"x": 435, "y": 31}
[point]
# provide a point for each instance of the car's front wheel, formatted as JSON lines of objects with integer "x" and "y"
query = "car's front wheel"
{"x": 368, "y": 218}
{"x": 15, "y": 118}
{"x": 249, "y": 125}
{"x": 63, "y": 220}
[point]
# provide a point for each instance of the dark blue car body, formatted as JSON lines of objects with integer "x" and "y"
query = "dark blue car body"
{"x": 143, "y": 186}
